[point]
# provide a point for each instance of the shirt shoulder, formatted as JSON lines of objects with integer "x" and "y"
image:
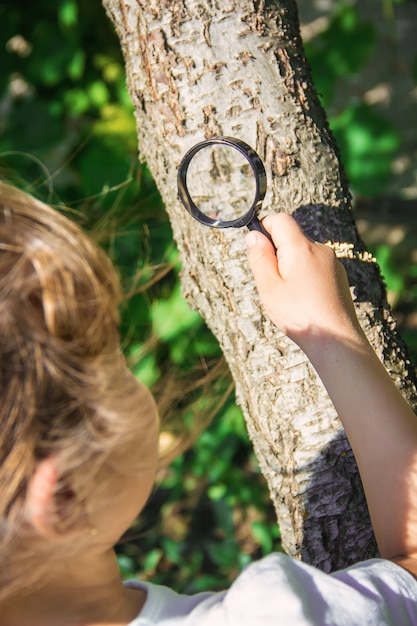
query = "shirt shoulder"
{"x": 164, "y": 606}
{"x": 283, "y": 590}
{"x": 278, "y": 589}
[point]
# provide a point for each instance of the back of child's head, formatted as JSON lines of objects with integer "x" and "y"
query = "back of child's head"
{"x": 64, "y": 387}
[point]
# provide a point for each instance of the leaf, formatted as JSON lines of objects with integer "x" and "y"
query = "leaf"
{"x": 262, "y": 534}
{"x": 224, "y": 553}
{"x": 152, "y": 559}
{"x": 368, "y": 143}
{"x": 76, "y": 65}
{"x": 147, "y": 370}
{"x": 126, "y": 566}
{"x": 217, "y": 492}
{"x": 341, "y": 50}
{"x": 172, "y": 550}
{"x": 394, "y": 280}
{"x": 173, "y": 316}
{"x": 68, "y": 13}
{"x": 98, "y": 93}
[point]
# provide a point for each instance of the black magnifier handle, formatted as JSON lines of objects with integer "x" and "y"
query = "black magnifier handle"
{"x": 249, "y": 218}
{"x": 256, "y": 224}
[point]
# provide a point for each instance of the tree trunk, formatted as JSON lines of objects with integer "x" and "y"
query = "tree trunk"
{"x": 202, "y": 68}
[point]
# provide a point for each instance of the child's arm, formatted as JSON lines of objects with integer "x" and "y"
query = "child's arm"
{"x": 305, "y": 292}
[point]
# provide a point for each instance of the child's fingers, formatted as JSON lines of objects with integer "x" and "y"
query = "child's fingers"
{"x": 283, "y": 229}
{"x": 287, "y": 237}
{"x": 263, "y": 263}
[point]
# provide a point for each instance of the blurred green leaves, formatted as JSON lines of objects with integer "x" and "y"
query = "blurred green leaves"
{"x": 64, "y": 97}
{"x": 394, "y": 279}
{"x": 367, "y": 140}
{"x": 340, "y": 51}
{"x": 368, "y": 143}
{"x": 67, "y": 14}
{"x": 173, "y": 317}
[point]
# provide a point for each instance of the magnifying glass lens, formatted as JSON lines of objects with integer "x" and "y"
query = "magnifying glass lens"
{"x": 221, "y": 182}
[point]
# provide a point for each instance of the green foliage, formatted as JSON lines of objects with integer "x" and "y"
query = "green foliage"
{"x": 400, "y": 275}
{"x": 367, "y": 140}
{"x": 408, "y": 299}
{"x": 340, "y": 51}
{"x": 386, "y": 259}
{"x": 368, "y": 143}
{"x": 64, "y": 97}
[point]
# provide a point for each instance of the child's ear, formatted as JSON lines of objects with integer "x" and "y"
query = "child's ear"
{"x": 51, "y": 504}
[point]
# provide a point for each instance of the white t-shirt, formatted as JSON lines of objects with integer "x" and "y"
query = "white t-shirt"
{"x": 279, "y": 591}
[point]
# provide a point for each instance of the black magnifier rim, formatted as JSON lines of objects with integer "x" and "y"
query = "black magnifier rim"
{"x": 258, "y": 170}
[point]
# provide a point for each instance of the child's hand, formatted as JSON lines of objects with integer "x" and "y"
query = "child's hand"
{"x": 305, "y": 291}
{"x": 304, "y": 288}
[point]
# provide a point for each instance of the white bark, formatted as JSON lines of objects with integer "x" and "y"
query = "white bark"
{"x": 198, "y": 69}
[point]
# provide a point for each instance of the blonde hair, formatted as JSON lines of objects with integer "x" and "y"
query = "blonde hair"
{"x": 64, "y": 386}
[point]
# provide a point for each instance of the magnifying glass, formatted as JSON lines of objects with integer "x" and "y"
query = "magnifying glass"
{"x": 222, "y": 183}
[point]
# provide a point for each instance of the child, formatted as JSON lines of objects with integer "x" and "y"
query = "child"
{"x": 78, "y": 441}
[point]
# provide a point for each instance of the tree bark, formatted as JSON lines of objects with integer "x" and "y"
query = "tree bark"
{"x": 202, "y": 68}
